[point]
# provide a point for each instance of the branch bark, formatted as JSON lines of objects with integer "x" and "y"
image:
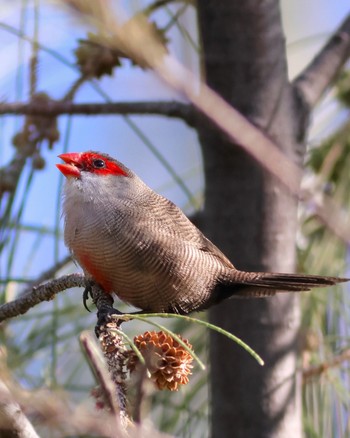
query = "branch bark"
{"x": 38, "y": 294}
{"x": 312, "y": 83}
{"x": 13, "y": 422}
{"x": 171, "y": 109}
{"x": 112, "y": 391}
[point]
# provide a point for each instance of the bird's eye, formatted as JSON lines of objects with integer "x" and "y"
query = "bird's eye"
{"x": 99, "y": 164}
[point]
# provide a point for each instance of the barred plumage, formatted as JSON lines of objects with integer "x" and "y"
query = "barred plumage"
{"x": 139, "y": 245}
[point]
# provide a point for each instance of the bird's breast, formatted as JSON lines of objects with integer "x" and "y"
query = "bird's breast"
{"x": 143, "y": 261}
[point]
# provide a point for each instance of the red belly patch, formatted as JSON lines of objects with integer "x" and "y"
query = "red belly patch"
{"x": 95, "y": 272}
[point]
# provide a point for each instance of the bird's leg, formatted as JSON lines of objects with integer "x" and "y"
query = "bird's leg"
{"x": 105, "y": 309}
{"x": 104, "y": 304}
{"x": 105, "y": 312}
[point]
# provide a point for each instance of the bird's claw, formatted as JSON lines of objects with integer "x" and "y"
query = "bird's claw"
{"x": 86, "y": 295}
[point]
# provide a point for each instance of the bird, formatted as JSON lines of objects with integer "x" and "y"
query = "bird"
{"x": 140, "y": 246}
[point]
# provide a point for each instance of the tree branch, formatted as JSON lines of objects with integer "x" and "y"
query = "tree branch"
{"x": 109, "y": 390}
{"x": 13, "y": 422}
{"x": 171, "y": 109}
{"x": 38, "y": 294}
{"x": 324, "y": 68}
{"x": 115, "y": 353}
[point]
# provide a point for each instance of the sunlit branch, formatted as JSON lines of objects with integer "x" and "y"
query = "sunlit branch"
{"x": 320, "y": 74}
{"x": 38, "y": 294}
{"x": 13, "y": 422}
{"x": 113, "y": 397}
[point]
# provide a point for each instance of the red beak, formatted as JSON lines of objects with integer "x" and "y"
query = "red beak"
{"x": 73, "y": 165}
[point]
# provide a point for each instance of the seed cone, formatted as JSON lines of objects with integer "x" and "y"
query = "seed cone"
{"x": 167, "y": 361}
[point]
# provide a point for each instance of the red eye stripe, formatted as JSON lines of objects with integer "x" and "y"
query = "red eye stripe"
{"x": 110, "y": 168}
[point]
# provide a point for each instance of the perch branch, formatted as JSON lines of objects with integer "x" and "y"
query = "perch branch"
{"x": 313, "y": 81}
{"x": 38, "y": 294}
{"x": 55, "y": 108}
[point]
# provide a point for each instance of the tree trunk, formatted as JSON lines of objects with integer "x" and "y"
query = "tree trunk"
{"x": 252, "y": 218}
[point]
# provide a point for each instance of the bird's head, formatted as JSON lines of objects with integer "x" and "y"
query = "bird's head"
{"x": 94, "y": 163}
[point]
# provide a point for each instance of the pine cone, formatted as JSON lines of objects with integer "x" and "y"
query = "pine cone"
{"x": 167, "y": 361}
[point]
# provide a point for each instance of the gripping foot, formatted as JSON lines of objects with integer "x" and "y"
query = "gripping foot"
{"x": 86, "y": 295}
{"x": 104, "y": 317}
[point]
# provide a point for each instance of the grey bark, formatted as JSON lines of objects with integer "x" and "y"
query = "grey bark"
{"x": 13, "y": 422}
{"x": 252, "y": 219}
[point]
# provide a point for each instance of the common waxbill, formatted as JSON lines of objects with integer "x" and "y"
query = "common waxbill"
{"x": 139, "y": 245}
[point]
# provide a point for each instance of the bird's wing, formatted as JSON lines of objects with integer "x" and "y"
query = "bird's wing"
{"x": 174, "y": 224}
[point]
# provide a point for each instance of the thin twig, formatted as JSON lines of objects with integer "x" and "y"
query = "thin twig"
{"x": 13, "y": 422}
{"x": 10, "y": 174}
{"x": 318, "y": 370}
{"x": 73, "y": 89}
{"x": 97, "y": 364}
{"x": 141, "y": 391}
{"x": 34, "y": 59}
{"x": 52, "y": 108}
{"x": 314, "y": 80}
{"x": 38, "y": 294}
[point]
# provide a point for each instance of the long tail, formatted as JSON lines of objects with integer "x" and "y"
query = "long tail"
{"x": 261, "y": 284}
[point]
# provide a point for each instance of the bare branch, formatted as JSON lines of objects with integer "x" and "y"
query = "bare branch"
{"x": 51, "y": 411}
{"x": 238, "y": 129}
{"x": 10, "y": 174}
{"x": 140, "y": 386}
{"x": 108, "y": 388}
{"x": 320, "y": 74}
{"x": 27, "y": 142}
{"x": 52, "y": 108}
{"x": 38, "y": 294}
{"x": 13, "y": 422}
